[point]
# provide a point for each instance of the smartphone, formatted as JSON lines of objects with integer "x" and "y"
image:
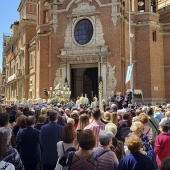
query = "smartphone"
{"x": 78, "y": 134}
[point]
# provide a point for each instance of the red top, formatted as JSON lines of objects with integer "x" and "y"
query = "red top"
{"x": 162, "y": 147}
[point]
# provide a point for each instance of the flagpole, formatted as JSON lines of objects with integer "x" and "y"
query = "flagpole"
{"x": 130, "y": 50}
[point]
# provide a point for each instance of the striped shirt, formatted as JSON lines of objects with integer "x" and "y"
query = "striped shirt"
{"x": 96, "y": 126}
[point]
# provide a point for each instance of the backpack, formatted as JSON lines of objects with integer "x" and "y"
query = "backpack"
{"x": 63, "y": 159}
{"x": 6, "y": 165}
{"x": 124, "y": 133}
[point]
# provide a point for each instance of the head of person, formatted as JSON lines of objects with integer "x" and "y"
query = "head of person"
{"x": 42, "y": 119}
{"x": 15, "y": 107}
{"x": 144, "y": 109}
{"x": 67, "y": 111}
{"x": 138, "y": 112}
{"x": 133, "y": 142}
{"x": 87, "y": 139}
{"x": 4, "y": 119}
{"x": 107, "y": 116}
{"x": 75, "y": 116}
{"x": 21, "y": 121}
{"x": 105, "y": 137}
{"x": 143, "y": 118}
{"x": 89, "y": 113}
{"x": 83, "y": 121}
{"x": 167, "y": 114}
{"x": 168, "y": 106}
{"x": 68, "y": 133}
{"x": 43, "y": 111}
{"x": 73, "y": 108}
{"x": 31, "y": 121}
{"x": 126, "y": 116}
{"x": 53, "y": 116}
{"x": 150, "y": 111}
{"x": 70, "y": 120}
{"x": 25, "y": 110}
{"x": 19, "y": 113}
{"x": 164, "y": 127}
{"x": 3, "y": 145}
{"x": 114, "y": 118}
{"x": 37, "y": 113}
{"x": 96, "y": 114}
{"x": 113, "y": 107}
{"x": 156, "y": 109}
{"x": 111, "y": 127}
{"x": 165, "y": 164}
{"x": 7, "y": 132}
{"x": 137, "y": 128}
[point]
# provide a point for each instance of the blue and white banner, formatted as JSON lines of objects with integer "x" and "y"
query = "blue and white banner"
{"x": 129, "y": 73}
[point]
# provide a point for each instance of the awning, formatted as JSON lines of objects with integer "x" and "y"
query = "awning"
{"x": 137, "y": 91}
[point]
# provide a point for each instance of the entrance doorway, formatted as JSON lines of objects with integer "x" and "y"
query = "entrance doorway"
{"x": 84, "y": 81}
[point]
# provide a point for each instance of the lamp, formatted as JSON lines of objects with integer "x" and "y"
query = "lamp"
{"x": 140, "y": 3}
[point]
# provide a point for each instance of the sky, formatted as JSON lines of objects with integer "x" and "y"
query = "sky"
{"x": 8, "y": 15}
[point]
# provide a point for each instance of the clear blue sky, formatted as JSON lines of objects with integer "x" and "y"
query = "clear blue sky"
{"x": 8, "y": 15}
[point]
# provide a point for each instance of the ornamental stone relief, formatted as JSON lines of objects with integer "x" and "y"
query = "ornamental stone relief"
{"x": 111, "y": 79}
{"x": 83, "y": 7}
{"x": 57, "y": 76}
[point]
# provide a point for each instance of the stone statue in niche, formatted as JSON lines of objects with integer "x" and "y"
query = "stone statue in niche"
{"x": 111, "y": 79}
{"x": 58, "y": 76}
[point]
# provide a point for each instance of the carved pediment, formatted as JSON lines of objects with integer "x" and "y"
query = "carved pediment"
{"x": 83, "y": 7}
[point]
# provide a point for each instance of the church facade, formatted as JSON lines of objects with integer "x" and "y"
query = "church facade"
{"x": 83, "y": 41}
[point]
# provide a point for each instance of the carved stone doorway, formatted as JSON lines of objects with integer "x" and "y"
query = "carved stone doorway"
{"x": 84, "y": 81}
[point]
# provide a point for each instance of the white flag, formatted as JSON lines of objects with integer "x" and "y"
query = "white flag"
{"x": 129, "y": 73}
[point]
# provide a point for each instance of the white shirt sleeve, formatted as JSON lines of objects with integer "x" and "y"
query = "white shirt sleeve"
{"x": 127, "y": 152}
{"x": 60, "y": 149}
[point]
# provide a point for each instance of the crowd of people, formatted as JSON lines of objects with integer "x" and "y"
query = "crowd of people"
{"x": 81, "y": 137}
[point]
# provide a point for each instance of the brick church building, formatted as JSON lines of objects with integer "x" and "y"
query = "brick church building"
{"x": 82, "y": 41}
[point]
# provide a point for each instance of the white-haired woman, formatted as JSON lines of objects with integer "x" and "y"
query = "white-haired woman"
{"x": 137, "y": 128}
{"x": 117, "y": 145}
{"x": 106, "y": 158}
{"x": 166, "y": 119}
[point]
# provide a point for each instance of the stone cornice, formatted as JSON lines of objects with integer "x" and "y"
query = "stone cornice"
{"x": 165, "y": 66}
{"x": 114, "y": 3}
{"x": 32, "y": 47}
{"x": 21, "y": 5}
{"x": 15, "y": 37}
{"x": 87, "y": 58}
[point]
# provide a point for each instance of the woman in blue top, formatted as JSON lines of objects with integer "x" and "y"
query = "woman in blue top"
{"x": 135, "y": 160}
{"x": 137, "y": 128}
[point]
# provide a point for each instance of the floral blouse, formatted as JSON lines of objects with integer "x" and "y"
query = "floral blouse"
{"x": 146, "y": 146}
{"x": 12, "y": 156}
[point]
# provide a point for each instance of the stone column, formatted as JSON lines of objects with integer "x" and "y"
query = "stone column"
{"x": 103, "y": 74}
{"x": 63, "y": 72}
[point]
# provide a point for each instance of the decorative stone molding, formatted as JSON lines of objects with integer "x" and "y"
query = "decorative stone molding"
{"x": 114, "y": 13}
{"x": 111, "y": 79}
{"x": 83, "y": 7}
{"x": 96, "y": 44}
{"x": 57, "y": 76}
{"x": 55, "y": 18}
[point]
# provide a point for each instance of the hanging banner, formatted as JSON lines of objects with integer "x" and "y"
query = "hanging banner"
{"x": 129, "y": 73}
